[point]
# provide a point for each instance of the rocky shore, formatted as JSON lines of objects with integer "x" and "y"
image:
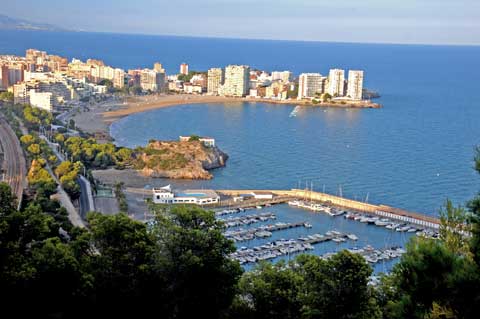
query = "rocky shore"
{"x": 179, "y": 160}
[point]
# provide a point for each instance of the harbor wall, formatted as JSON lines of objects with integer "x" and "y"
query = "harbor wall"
{"x": 376, "y": 209}
{"x": 380, "y": 210}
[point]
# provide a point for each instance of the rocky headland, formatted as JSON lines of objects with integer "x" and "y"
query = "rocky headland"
{"x": 179, "y": 160}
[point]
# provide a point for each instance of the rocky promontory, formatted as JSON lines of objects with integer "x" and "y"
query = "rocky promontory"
{"x": 179, "y": 160}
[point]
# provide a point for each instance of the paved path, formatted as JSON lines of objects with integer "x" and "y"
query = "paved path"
{"x": 66, "y": 202}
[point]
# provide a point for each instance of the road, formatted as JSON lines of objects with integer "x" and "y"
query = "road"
{"x": 86, "y": 197}
{"x": 65, "y": 201}
{"x": 14, "y": 163}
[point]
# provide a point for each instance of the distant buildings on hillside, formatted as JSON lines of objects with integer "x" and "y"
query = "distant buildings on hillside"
{"x": 37, "y": 73}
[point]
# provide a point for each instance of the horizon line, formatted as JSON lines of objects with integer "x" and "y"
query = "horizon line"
{"x": 250, "y": 38}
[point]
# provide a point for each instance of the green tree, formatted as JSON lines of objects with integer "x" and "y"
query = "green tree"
{"x": 27, "y": 140}
{"x": 122, "y": 265}
{"x": 193, "y": 257}
{"x": 326, "y": 97}
{"x": 6, "y": 96}
{"x": 337, "y": 287}
{"x": 34, "y": 149}
{"x": 429, "y": 275}
{"x": 7, "y": 200}
{"x": 270, "y": 292}
{"x": 454, "y": 227}
{"x": 474, "y": 207}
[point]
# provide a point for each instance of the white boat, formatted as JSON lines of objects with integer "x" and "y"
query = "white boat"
{"x": 352, "y": 237}
{"x": 259, "y": 207}
{"x": 383, "y": 222}
{"x": 307, "y": 225}
{"x": 295, "y": 111}
{"x": 392, "y": 226}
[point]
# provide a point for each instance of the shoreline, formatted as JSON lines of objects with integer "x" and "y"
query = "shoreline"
{"x": 99, "y": 117}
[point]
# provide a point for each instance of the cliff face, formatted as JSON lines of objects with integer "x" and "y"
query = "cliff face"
{"x": 180, "y": 160}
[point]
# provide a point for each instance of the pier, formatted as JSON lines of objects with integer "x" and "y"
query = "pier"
{"x": 247, "y": 219}
{"x": 260, "y": 232}
{"x": 349, "y": 204}
{"x": 283, "y": 196}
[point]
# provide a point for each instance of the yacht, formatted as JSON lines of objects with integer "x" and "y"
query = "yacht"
{"x": 352, "y": 237}
{"x": 383, "y": 222}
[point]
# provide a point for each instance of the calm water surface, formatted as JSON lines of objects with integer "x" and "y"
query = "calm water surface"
{"x": 413, "y": 153}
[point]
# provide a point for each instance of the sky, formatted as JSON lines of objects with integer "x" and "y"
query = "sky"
{"x": 377, "y": 21}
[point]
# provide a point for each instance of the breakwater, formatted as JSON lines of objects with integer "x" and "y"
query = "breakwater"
{"x": 332, "y": 200}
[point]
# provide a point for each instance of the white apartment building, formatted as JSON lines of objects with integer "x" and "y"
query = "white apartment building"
{"x": 102, "y": 72}
{"x": 355, "y": 84}
{"x": 284, "y": 76}
{"x": 152, "y": 80}
{"x": 42, "y": 100}
{"x": 336, "y": 82}
{"x": 237, "y": 79}
{"x": 310, "y": 84}
{"x": 184, "y": 68}
{"x": 215, "y": 79}
{"x": 119, "y": 78}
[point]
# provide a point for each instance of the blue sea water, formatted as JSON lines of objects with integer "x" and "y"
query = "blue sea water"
{"x": 413, "y": 153}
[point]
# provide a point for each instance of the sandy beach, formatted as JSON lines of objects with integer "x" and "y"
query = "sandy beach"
{"x": 98, "y": 117}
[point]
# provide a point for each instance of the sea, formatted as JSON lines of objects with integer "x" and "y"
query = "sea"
{"x": 414, "y": 153}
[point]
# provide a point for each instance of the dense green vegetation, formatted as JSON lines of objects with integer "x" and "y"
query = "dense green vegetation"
{"x": 95, "y": 155}
{"x": 177, "y": 266}
{"x": 6, "y": 96}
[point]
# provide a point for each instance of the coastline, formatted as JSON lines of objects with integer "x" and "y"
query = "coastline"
{"x": 99, "y": 117}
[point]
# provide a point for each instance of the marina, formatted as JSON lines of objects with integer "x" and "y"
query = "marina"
{"x": 260, "y": 232}
{"x": 288, "y": 247}
{"x": 300, "y": 230}
{"x": 248, "y": 219}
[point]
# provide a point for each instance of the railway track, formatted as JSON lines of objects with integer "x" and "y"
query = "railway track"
{"x": 13, "y": 164}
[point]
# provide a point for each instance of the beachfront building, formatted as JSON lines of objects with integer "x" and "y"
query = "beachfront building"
{"x": 102, "y": 72}
{"x": 336, "y": 82}
{"x": 151, "y": 80}
{"x": 118, "y": 78}
{"x": 236, "y": 81}
{"x": 165, "y": 195}
{"x": 355, "y": 84}
{"x": 310, "y": 84}
{"x": 284, "y": 76}
{"x": 79, "y": 69}
{"x": 42, "y": 100}
{"x": 184, "y": 68}
{"x": 215, "y": 78}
